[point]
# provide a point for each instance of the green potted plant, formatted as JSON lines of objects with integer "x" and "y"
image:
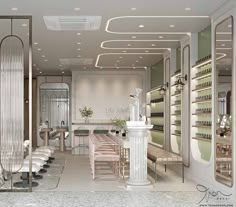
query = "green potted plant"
{"x": 86, "y": 112}
{"x": 119, "y": 124}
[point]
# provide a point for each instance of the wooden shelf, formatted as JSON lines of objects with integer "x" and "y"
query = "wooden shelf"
{"x": 202, "y": 101}
{"x": 176, "y": 124}
{"x": 176, "y": 114}
{"x": 201, "y": 88}
{"x": 201, "y": 126}
{"x": 176, "y": 104}
{"x": 202, "y": 76}
{"x": 199, "y": 113}
{"x": 158, "y": 114}
{"x": 176, "y": 134}
{"x": 157, "y": 130}
{"x": 158, "y": 100}
{"x": 202, "y": 139}
{"x": 177, "y": 94}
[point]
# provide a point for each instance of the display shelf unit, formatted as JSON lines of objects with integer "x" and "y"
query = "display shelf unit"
{"x": 201, "y": 109}
{"x": 175, "y": 114}
{"x": 155, "y": 112}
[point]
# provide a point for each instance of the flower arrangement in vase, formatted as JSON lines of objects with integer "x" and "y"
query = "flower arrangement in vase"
{"x": 119, "y": 124}
{"x": 86, "y": 112}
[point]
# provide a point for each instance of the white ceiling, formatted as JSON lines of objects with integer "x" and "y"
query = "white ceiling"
{"x": 120, "y": 41}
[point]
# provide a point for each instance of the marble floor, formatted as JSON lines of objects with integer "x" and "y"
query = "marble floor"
{"x": 77, "y": 189}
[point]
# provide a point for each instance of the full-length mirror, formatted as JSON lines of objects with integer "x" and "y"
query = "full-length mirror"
{"x": 54, "y": 112}
{"x": 223, "y": 101}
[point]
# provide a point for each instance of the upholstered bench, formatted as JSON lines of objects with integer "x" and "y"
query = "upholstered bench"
{"x": 161, "y": 156}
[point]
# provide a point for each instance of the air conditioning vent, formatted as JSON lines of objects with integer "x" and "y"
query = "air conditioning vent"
{"x": 64, "y": 23}
{"x": 76, "y": 61}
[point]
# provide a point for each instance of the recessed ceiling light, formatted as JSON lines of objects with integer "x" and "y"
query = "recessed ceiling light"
{"x": 60, "y": 65}
{"x": 117, "y": 67}
{"x": 229, "y": 25}
{"x": 222, "y": 45}
{"x": 62, "y": 72}
{"x": 172, "y": 25}
{"x": 43, "y": 56}
{"x": 40, "y": 72}
{"x": 124, "y": 51}
{"x": 160, "y": 37}
{"x": 117, "y": 61}
{"x": 37, "y": 69}
{"x": 134, "y": 67}
{"x": 140, "y": 57}
{"x": 133, "y": 9}
{"x": 141, "y": 26}
{"x": 34, "y": 65}
{"x": 78, "y": 43}
{"x": 153, "y": 45}
{"x": 36, "y": 43}
{"x": 133, "y": 37}
{"x": 45, "y": 60}
{"x": 78, "y": 49}
{"x": 146, "y": 51}
{"x": 78, "y": 56}
{"x": 39, "y": 49}
{"x": 78, "y": 33}
{"x": 129, "y": 45}
{"x": 136, "y": 61}
{"x": 120, "y": 57}
{"x": 24, "y": 25}
{"x": 145, "y": 68}
{"x": 187, "y": 9}
{"x": 76, "y": 9}
{"x": 14, "y": 9}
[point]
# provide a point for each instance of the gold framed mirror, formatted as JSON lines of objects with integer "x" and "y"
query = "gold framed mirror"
{"x": 223, "y": 101}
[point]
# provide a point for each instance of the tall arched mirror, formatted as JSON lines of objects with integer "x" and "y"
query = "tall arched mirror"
{"x": 223, "y": 101}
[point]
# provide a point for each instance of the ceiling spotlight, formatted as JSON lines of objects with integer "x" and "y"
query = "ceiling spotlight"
{"x": 78, "y": 49}
{"x": 78, "y": 33}
{"x": 124, "y": 51}
{"x": 187, "y": 9}
{"x": 230, "y": 25}
{"x": 134, "y": 67}
{"x": 78, "y": 56}
{"x": 133, "y": 9}
{"x": 62, "y": 72}
{"x": 37, "y": 69}
{"x": 146, "y": 51}
{"x": 153, "y": 45}
{"x": 117, "y": 67}
{"x": 34, "y": 65}
{"x": 120, "y": 57}
{"x": 14, "y": 9}
{"x": 141, "y": 26}
{"x": 45, "y": 60}
{"x": 140, "y": 57}
{"x": 24, "y": 25}
{"x": 222, "y": 45}
{"x": 76, "y": 9}
{"x": 39, "y": 49}
{"x": 78, "y": 43}
{"x": 172, "y": 25}
{"x": 129, "y": 45}
{"x": 40, "y": 72}
{"x": 145, "y": 68}
{"x": 60, "y": 65}
{"x": 160, "y": 37}
{"x": 117, "y": 61}
{"x": 136, "y": 61}
{"x": 36, "y": 43}
{"x": 133, "y": 37}
{"x": 43, "y": 56}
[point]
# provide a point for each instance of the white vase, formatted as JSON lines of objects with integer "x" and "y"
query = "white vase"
{"x": 86, "y": 120}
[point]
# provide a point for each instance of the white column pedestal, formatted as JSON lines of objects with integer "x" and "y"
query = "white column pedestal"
{"x": 137, "y": 132}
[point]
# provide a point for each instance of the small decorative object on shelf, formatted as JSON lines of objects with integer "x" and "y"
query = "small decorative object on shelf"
{"x": 86, "y": 112}
{"x": 119, "y": 124}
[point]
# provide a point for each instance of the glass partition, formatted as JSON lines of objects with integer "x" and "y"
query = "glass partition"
{"x": 223, "y": 101}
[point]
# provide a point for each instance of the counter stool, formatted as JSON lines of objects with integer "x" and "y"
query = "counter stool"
{"x": 83, "y": 135}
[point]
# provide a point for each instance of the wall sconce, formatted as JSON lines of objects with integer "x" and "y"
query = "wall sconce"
{"x": 163, "y": 88}
{"x": 179, "y": 83}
